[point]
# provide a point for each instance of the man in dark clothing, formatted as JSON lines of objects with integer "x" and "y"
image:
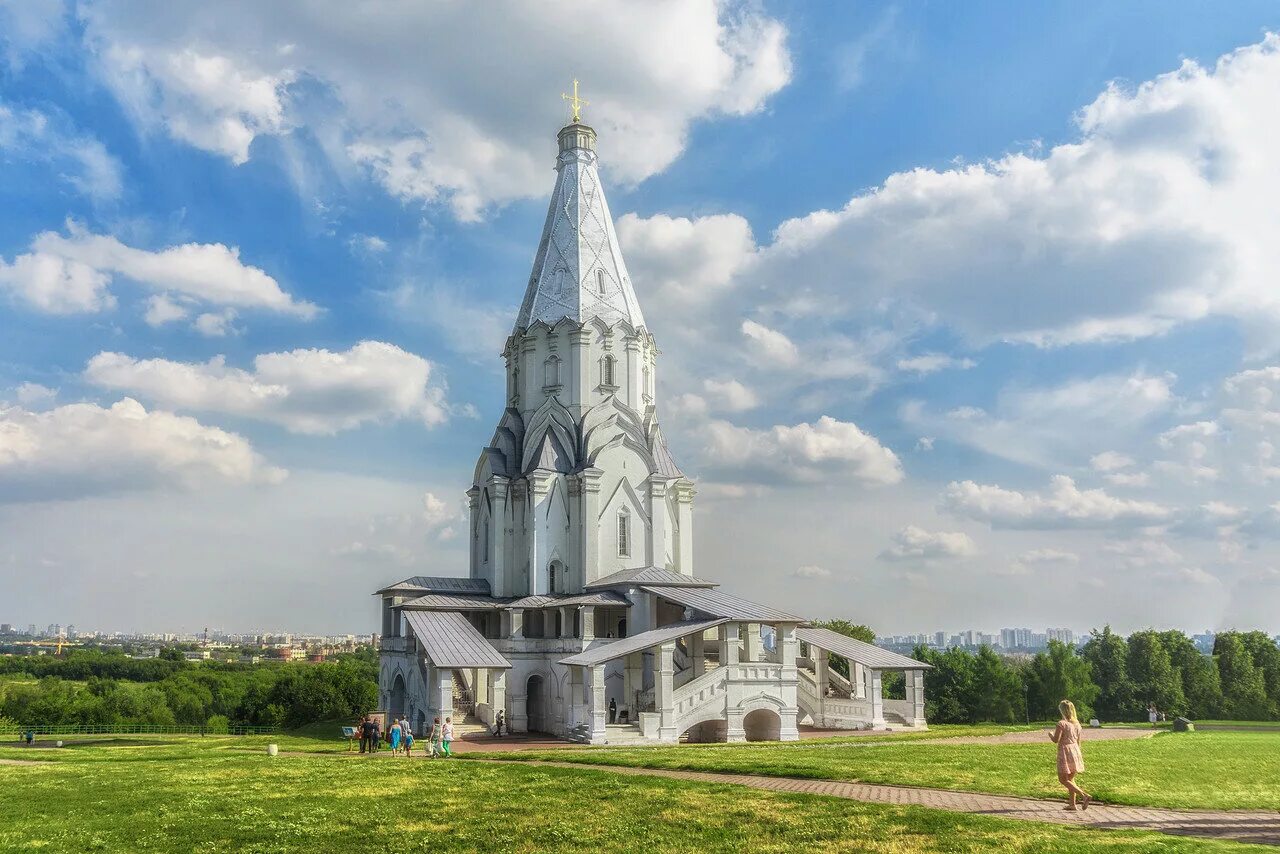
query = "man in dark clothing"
{"x": 367, "y": 733}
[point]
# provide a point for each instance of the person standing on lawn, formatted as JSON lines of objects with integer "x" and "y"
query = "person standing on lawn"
{"x": 434, "y": 744}
{"x": 395, "y": 737}
{"x": 408, "y": 741}
{"x": 1070, "y": 760}
{"x": 446, "y": 736}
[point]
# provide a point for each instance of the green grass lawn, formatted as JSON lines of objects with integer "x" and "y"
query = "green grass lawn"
{"x": 221, "y": 794}
{"x": 1211, "y": 770}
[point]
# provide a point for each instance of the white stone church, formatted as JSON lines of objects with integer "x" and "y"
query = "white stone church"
{"x": 582, "y": 616}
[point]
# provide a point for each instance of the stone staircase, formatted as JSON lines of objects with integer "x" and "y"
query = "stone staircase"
{"x": 624, "y": 734}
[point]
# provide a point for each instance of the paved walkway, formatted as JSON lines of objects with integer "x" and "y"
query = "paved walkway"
{"x": 1245, "y": 826}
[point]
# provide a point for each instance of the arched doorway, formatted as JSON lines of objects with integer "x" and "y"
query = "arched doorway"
{"x": 397, "y": 697}
{"x": 536, "y": 704}
{"x": 762, "y": 725}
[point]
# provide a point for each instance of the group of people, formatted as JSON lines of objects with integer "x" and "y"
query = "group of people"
{"x": 400, "y": 736}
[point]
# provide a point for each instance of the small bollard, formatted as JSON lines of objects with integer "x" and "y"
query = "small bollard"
{"x": 273, "y": 749}
{"x": 59, "y": 742}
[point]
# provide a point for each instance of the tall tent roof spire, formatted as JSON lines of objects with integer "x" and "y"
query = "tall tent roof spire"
{"x": 578, "y": 272}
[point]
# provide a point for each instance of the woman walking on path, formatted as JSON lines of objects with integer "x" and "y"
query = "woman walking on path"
{"x": 436, "y": 733}
{"x": 447, "y": 736}
{"x": 1070, "y": 760}
{"x": 395, "y": 737}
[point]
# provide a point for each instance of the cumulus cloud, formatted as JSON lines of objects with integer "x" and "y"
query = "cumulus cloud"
{"x": 914, "y": 543}
{"x": 931, "y": 363}
{"x": 686, "y": 261}
{"x": 809, "y": 571}
{"x": 1055, "y": 426}
{"x": 1064, "y": 505}
{"x": 66, "y": 274}
{"x": 305, "y": 391}
{"x": 32, "y": 395}
{"x": 1048, "y": 555}
{"x": 81, "y": 161}
{"x": 82, "y": 449}
{"x": 825, "y": 450}
{"x": 772, "y": 344}
{"x": 395, "y": 104}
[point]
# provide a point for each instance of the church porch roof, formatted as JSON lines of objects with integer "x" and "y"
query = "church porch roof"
{"x": 608, "y": 651}
{"x": 868, "y": 655}
{"x": 450, "y": 641}
{"x": 715, "y": 603}
{"x": 437, "y": 584}
{"x": 649, "y": 575}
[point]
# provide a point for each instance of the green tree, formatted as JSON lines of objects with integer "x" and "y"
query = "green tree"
{"x": 1244, "y": 690}
{"x": 1200, "y": 682}
{"x": 1152, "y": 674}
{"x": 1107, "y": 654}
{"x": 949, "y": 686}
{"x": 997, "y": 690}
{"x": 1059, "y": 674}
{"x": 1266, "y": 657}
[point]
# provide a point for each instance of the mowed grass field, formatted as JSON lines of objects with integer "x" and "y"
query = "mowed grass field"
{"x": 1201, "y": 770}
{"x": 225, "y": 794}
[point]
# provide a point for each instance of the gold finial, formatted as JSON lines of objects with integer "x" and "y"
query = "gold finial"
{"x": 575, "y": 102}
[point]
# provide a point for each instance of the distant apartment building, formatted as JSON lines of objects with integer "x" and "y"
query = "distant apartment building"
{"x": 1061, "y": 636}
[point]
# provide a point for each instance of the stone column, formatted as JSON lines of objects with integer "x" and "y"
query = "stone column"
{"x": 822, "y": 676}
{"x": 579, "y": 378}
{"x": 633, "y": 683}
{"x": 599, "y": 705}
{"x": 590, "y": 531}
{"x": 664, "y": 687}
{"x": 698, "y": 654}
{"x": 752, "y": 647}
{"x": 442, "y": 696}
{"x": 657, "y": 522}
{"x": 787, "y": 648}
{"x": 915, "y": 695}
{"x": 729, "y": 646}
{"x": 684, "y": 515}
{"x": 877, "y": 701}
{"x": 587, "y": 619}
{"x": 539, "y": 552}
{"x": 858, "y": 677}
{"x": 498, "y": 536}
{"x": 515, "y": 623}
{"x": 498, "y": 691}
{"x": 549, "y": 622}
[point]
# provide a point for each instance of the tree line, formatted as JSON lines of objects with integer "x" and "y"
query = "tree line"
{"x": 1110, "y": 677}
{"x": 93, "y": 688}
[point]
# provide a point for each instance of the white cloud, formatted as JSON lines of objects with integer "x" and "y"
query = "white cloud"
{"x": 32, "y": 395}
{"x": 914, "y": 543}
{"x": 1109, "y": 461}
{"x": 773, "y": 345}
{"x": 1063, "y": 506}
{"x": 162, "y": 309}
{"x": 925, "y": 443}
{"x": 1048, "y": 555}
{"x": 686, "y": 262}
{"x": 216, "y": 324}
{"x": 396, "y": 104}
{"x": 440, "y": 517}
{"x": 370, "y": 244}
{"x": 731, "y": 395}
{"x": 375, "y": 552}
{"x": 81, "y": 161}
{"x": 809, "y": 571}
{"x": 826, "y": 450}
{"x": 68, "y": 274}
{"x": 930, "y": 363}
{"x": 82, "y": 449}
{"x": 1056, "y": 426}
{"x": 305, "y": 391}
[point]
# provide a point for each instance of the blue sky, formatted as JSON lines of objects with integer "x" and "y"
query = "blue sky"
{"x": 988, "y": 291}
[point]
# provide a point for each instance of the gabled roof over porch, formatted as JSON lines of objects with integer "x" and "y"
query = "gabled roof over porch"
{"x": 649, "y": 575}
{"x": 603, "y": 652}
{"x": 451, "y": 642}
{"x": 420, "y": 584}
{"x": 857, "y": 651}
{"x": 716, "y": 603}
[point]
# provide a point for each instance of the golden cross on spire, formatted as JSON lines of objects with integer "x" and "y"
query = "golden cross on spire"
{"x": 575, "y": 102}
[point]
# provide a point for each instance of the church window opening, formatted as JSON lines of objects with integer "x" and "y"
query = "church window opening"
{"x": 555, "y": 572}
{"x": 557, "y": 286}
{"x": 606, "y": 371}
{"x": 624, "y": 534}
{"x": 551, "y": 369}
{"x": 600, "y": 282}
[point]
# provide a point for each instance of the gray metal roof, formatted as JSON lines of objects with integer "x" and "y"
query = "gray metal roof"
{"x": 450, "y": 641}
{"x": 715, "y": 603}
{"x": 868, "y": 655}
{"x": 649, "y": 575}
{"x": 453, "y": 602}
{"x": 438, "y": 584}
{"x": 616, "y": 649}
{"x": 565, "y": 600}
